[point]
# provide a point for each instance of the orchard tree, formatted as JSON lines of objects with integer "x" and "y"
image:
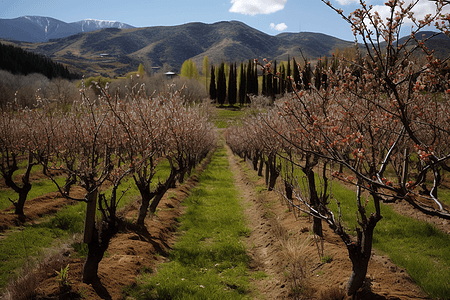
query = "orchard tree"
{"x": 25, "y": 136}
{"x": 13, "y": 146}
{"x": 379, "y": 114}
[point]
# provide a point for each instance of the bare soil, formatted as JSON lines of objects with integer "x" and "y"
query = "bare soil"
{"x": 280, "y": 245}
{"x": 274, "y": 226}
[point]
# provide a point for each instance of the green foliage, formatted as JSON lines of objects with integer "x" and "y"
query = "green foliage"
{"x": 18, "y": 61}
{"x": 326, "y": 259}
{"x": 189, "y": 69}
{"x": 209, "y": 261}
{"x": 141, "y": 71}
{"x": 63, "y": 278}
{"x": 205, "y": 66}
{"x": 89, "y": 83}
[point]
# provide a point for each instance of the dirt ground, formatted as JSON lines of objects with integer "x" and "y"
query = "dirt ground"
{"x": 280, "y": 245}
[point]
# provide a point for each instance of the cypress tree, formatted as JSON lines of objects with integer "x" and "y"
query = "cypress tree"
{"x": 306, "y": 76}
{"x": 296, "y": 75}
{"x": 212, "y": 85}
{"x": 242, "y": 85}
{"x": 270, "y": 86}
{"x": 249, "y": 81}
{"x": 288, "y": 76}
{"x": 255, "y": 79}
{"x": 221, "y": 85}
{"x": 318, "y": 75}
{"x": 232, "y": 90}
{"x": 275, "y": 79}
{"x": 282, "y": 78}
{"x": 264, "y": 87}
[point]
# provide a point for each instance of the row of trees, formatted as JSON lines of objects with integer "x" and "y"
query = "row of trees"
{"x": 19, "y": 61}
{"x": 105, "y": 140}
{"x": 375, "y": 125}
{"x": 235, "y": 86}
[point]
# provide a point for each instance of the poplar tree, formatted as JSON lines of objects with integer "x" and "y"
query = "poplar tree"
{"x": 189, "y": 69}
{"x": 205, "y": 70}
{"x": 141, "y": 70}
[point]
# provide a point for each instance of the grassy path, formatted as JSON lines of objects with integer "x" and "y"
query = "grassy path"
{"x": 209, "y": 261}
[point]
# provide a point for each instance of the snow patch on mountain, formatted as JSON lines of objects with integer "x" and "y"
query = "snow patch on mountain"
{"x": 94, "y": 24}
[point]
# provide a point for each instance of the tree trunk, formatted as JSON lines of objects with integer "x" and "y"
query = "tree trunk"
{"x": 360, "y": 253}
{"x": 93, "y": 258}
{"x": 267, "y": 172}
{"x": 162, "y": 189}
{"x": 255, "y": 161}
{"x": 314, "y": 200}
{"x": 288, "y": 188}
{"x": 89, "y": 221}
{"x": 261, "y": 166}
{"x": 23, "y": 193}
{"x": 273, "y": 172}
{"x": 146, "y": 196}
{"x": 24, "y": 189}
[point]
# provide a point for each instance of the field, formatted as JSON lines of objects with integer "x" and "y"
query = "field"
{"x": 282, "y": 254}
{"x": 330, "y": 182}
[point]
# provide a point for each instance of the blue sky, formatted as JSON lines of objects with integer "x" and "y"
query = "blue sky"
{"x": 269, "y": 16}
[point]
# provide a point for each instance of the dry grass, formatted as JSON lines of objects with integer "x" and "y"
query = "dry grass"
{"x": 296, "y": 270}
{"x": 27, "y": 284}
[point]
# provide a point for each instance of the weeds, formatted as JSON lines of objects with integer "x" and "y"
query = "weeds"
{"x": 63, "y": 279}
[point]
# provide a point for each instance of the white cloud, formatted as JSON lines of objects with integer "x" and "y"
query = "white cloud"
{"x": 256, "y": 7}
{"x": 278, "y": 27}
{"x": 346, "y": 2}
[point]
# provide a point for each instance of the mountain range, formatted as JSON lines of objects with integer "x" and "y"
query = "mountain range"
{"x": 41, "y": 29}
{"x": 118, "y": 49}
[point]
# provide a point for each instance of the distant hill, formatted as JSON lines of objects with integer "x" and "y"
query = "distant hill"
{"x": 115, "y": 51}
{"x": 41, "y": 29}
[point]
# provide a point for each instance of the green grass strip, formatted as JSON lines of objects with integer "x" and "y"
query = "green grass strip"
{"x": 209, "y": 261}
{"x": 38, "y": 188}
{"x": 225, "y": 117}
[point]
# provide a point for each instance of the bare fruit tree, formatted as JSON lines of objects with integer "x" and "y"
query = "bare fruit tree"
{"x": 380, "y": 123}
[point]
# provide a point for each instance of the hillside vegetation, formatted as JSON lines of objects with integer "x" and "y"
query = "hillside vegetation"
{"x": 168, "y": 47}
